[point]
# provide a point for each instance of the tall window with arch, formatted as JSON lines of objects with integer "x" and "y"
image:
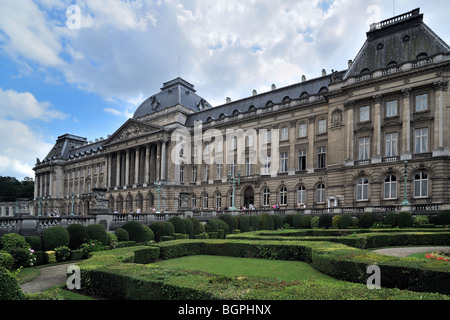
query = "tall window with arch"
{"x": 320, "y": 193}
{"x": 362, "y": 189}
{"x": 266, "y": 197}
{"x": 301, "y": 194}
{"x": 390, "y": 187}
{"x": 420, "y": 185}
{"x": 283, "y": 196}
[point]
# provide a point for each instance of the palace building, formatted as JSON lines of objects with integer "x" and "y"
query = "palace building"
{"x": 373, "y": 135}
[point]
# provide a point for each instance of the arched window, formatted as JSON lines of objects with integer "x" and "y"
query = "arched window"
{"x": 421, "y": 185}
{"x": 320, "y": 193}
{"x": 301, "y": 194}
{"x": 218, "y": 200}
{"x": 193, "y": 201}
{"x": 266, "y": 197}
{"x": 283, "y": 196}
{"x": 205, "y": 201}
{"x": 390, "y": 187}
{"x": 362, "y": 189}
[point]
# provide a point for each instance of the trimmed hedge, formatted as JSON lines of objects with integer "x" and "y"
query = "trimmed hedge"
{"x": 54, "y": 237}
{"x": 78, "y": 234}
{"x": 138, "y": 232}
{"x": 146, "y": 255}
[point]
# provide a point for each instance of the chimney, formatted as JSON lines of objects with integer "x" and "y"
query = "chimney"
{"x": 254, "y": 93}
{"x": 303, "y": 78}
{"x": 228, "y": 100}
{"x": 273, "y": 87}
{"x": 350, "y": 62}
{"x": 324, "y": 72}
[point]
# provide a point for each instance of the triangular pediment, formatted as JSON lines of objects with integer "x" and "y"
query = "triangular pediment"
{"x": 132, "y": 129}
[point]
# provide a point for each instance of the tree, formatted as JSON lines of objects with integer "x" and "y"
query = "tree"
{"x": 12, "y": 189}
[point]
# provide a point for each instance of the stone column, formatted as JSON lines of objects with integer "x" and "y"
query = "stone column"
{"x": 136, "y": 167}
{"x": 152, "y": 163}
{"x": 127, "y": 169}
{"x": 292, "y": 139}
{"x": 158, "y": 160}
{"x": 147, "y": 166}
{"x": 406, "y": 131}
{"x": 118, "y": 165}
{"x": 439, "y": 87}
{"x": 311, "y": 135}
{"x": 108, "y": 171}
{"x": 163, "y": 160}
{"x": 376, "y": 155}
{"x": 349, "y": 108}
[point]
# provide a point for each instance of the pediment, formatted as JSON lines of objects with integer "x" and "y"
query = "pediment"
{"x": 132, "y": 129}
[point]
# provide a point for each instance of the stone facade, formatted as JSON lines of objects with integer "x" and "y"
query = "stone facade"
{"x": 338, "y": 140}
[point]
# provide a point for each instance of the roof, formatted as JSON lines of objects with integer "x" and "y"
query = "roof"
{"x": 401, "y": 39}
{"x": 174, "y": 92}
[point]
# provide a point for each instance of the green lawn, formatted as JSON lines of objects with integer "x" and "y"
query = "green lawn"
{"x": 235, "y": 267}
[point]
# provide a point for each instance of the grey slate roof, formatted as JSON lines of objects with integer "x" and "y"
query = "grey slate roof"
{"x": 398, "y": 40}
{"x": 177, "y": 91}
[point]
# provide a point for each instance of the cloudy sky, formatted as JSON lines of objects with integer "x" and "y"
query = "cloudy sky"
{"x": 84, "y": 66}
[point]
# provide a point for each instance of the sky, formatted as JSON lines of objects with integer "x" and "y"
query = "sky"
{"x": 84, "y": 66}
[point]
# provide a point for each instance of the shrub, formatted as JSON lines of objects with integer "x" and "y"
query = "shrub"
{"x": 254, "y": 223}
{"x": 211, "y": 225}
{"x": 178, "y": 224}
{"x": 315, "y": 222}
{"x": 420, "y": 221}
{"x": 112, "y": 240}
{"x": 76, "y": 255}
{"x": 146, "y": 255}
{"x": 366, "y": 220}
{"x": 97, "y": 232}
{"x": 198, "y": 226}
{"x": 6, "y": 260}
{"x": 443, "y": 217}
{"x": 296, "y": 218}
{"x": 228, "y": 219}
{"x": 355, "y": 222}
{"x": 149, "y": 235}
{"x": 62, "y": 253}
{"x": 244, "y": 223}
{"x": 391, "y": 219}
{"x": 335, "y": 222}
{"x": 35, "y": 242}
{"x": 404, "y": 219}
{"x": 10, "y": 289}
{"x": 305, "y": 222}
{"x": 54, "y": 237}
{"x": 20, "y": 256}
{"x": 189, "y": 227}
{"x": 159, "y": 230}
{"x": 266, "y": 222}
{"x": 78, "y": 234}
{"x": 222, "y": 225}
{"x": 345, "y": 221}
{"x": 122, "y": 234}
{"x": 12, "y": 240}
{"x": 277, "y": 221}
{"x": 325, "y": 220}
{"x": 50, "y": 256}
{"x": 137, "y": 231}
{"x": 170, "y": 229}
{"x": 288, "y": 219}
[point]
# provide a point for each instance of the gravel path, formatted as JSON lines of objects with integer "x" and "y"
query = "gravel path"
{"x": 49, "y": 277}
{"x": 405, "y": 251}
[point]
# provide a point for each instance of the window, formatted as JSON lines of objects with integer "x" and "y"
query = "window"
{"x": 266, "y": 197}
{"x": 391, "y": 144}
{"x": 301, "y": 194}
{"x": 266, "y": 165}
{"x": 206, "y": 173}
{"x": 194, "y": 200}
{"x": 302, "y": 160}
{"x": 218, "y": 200}
{"x": 322, "y": 157}
{"x": 194, "y": 174}
{"x": 362, "y": 189}
{"x": 421, "y": 185}
{"x": 205, "y": 201}
{"x": 268, "y": 136}
{"x": 302, "y": 130}
{"x": 283, "y": 196}
{"x": 233, "y": 169}
{"x": 250, "y": 140}
{"x": 248, "y": 166}
{"x": 219, "y": 171}
{"x": 390, "y": 187}
{"x": 181, "y": 173}
{"x": 284, "y": 133}
{"x": 364, "y": 114}
{"x": 421, "y": 102}
{"x": 320, "y": 193}
{"x": 284, "y": 162}
{"x": 322, "y": 124}
{"x": 364, "y": 148}
{"x": 391, "y": 108}
{"x": 421, "y": 138}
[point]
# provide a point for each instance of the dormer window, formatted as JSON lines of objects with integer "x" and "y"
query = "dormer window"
{"x": 380, "y": 46}
{"x": 365, "y": 70}
{"x": 406, "y": 38}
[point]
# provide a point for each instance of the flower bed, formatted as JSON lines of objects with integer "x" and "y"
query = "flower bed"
{"x": 441, "y": 256}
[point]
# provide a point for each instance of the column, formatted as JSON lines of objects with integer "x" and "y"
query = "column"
{"x": 147, "y": 165}
{"x": 376, "y": 155}
{"x": 36, "y": 186}
{"x": 108, "y": 171}
{"x": 439, "y": 88}
{"x": 292, "y": 139}
{"x": 118, "y": 165}
{"x": 127, "y": 168}
{"x": 349, "y": 108}
{"x": 163, "y": 160}
{"x": 136, "y": 167}
{"x": 50, "y": 183}
{"x": 158, "y": 160}
{"x": 406, "y": 131}
{"x": 311, "y": 138}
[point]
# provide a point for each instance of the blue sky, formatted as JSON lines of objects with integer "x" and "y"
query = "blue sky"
{"x": 88, "y": 80}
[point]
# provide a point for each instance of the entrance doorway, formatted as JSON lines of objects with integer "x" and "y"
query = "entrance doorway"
{"x": 249, "y": 197}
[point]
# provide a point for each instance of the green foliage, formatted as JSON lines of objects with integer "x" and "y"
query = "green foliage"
{"x": 138, "y": 232}
{"x": 62, "y": 253}
{"x": 305, "y": 222}
{"x": 211, "y": 225}
{"x": 122, "y": 234}
{"x": 345, "y": 221}
{"x": 146, "y": 255}
{"x": 12, "y": 189}
{"x": 244, "y": 223}
{"x": 78, "y": 234}
{"x": 266, "y": 222}
{"x": 189, "y": 227}
{"x": 54, "y": 237}
{"x": 278, "y": 221}
{"x": 97, "y": 232}
{"x": 254, "y": 223}
{"x": 13, "y": 240}
{"x": 35, "y": 242}
{"x": 335, "y": 222}
{"x": 178, "y": 225}
{"x": 296, "y": 220}
{"x": 222, "y": 225}
{"x": 404, "y": 219}
{"x": 198, "y": 226}
{"x": 170, "y": 229}
{"x": 443, "y": 217}
{"x": 6, "y": 260}
{"x": 366, "y": 220}
{"x": 10, "y": 290}
{"x": 229, "y": 220}
{"x": 420, "y": 220}
{"x": 315, "y": 222}
{"x": 391, "y": 219}
{"x": 159, "y": 230}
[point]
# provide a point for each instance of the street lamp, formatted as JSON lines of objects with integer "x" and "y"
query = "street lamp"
{"x": 159, "y": 188}
{"x": 233, "y": 181}
{"x": 405, "y": 198}
{"x": 40, "y": 205}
